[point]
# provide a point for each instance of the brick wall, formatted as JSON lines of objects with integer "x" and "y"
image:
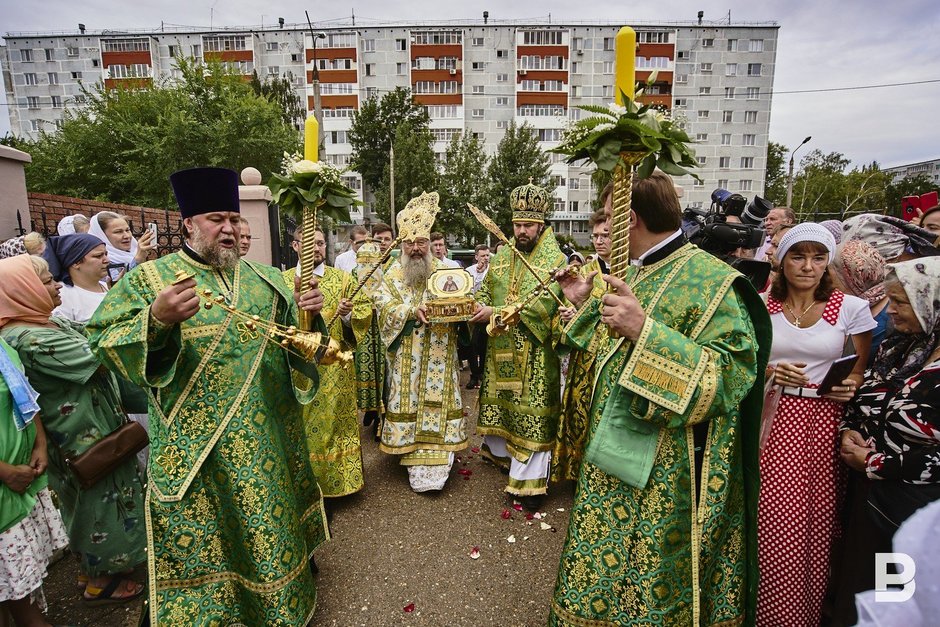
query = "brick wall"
{"x": 47, "y": 209}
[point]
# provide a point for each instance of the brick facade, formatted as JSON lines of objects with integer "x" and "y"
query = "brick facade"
{"x": 47, "y": 209}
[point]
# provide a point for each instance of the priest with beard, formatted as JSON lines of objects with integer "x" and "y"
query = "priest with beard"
{"x": 233, "y": 508}
{"x": 519, "y": 398}
{"x": 424, "y": 420}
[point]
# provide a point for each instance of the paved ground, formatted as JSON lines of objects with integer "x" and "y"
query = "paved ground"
{"x": 392, "y": 548}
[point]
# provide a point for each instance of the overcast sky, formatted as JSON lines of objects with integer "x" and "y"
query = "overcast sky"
{"x": 822, "y": 45}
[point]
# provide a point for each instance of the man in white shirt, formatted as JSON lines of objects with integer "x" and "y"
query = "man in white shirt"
{"x": 439, "y": 250}
{"x": 476, "y": 352}
{"x": 347, "y": 261}
{"x": 776, "y": 218}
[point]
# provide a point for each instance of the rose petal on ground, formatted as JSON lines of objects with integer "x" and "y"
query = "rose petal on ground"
{"x": 525, "y": 537}
{"x": 475, "y": 449}
{"x": 538, "y": 516}
{"x": 545, "y": 526}
{"x": 506, "y": 515}
{"x": 409, "y": 608}
{"x": 517, "y": 506}
{"x": 511, "y": 539}
{"x": 475, "y": 553}
{"x": 529, "y": 516}
{"x": 466, "y": 472}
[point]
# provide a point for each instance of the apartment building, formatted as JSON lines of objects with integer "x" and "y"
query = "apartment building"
{"x": 473, "y": 77}
{"x": 930, "y": 169}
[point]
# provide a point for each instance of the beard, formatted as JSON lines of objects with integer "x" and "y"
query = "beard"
{"x": 212, "y": 252}
{"x": 416, "y": 270}
{"x": 527, "y": 245}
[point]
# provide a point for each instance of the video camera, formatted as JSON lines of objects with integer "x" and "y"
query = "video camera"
{"x": 713, "y": 232}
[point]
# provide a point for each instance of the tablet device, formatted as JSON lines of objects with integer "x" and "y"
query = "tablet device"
{"x": 838, "y": 371}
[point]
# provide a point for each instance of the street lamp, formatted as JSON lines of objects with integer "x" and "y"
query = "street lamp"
{"x": 317, "y": 110}
{"x": 790, "y": 175}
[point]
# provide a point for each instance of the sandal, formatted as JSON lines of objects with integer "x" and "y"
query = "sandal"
{"x": 103, "y": 596}
{"x": 81, "y": 582}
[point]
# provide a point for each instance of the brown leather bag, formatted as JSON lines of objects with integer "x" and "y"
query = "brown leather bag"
{"x": 100, "y": 460}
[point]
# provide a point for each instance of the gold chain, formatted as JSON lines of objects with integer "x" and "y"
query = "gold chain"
{"x": 797, "y": 318}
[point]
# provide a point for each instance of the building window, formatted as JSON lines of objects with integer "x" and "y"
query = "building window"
{"x": 731, "y": 69}
{"x": 274, "y": 70}
{"x": 549, "y": 134}
{"x": 401, "y": 45}
{"x": 337, "y": 137}
{"x": 476, "y": 89}
{"x": 542, "y": 37}
{"x": 708, "y": 43}
{"x": 753, "y": 93}
{"x": 700, "y": 160}
{"x": 704, "y": 91}
{"x": 705, "y": 68}
{"x": 681, "y": 103}
{"x": 724, "y": 162}
{"x": 502, "y": 102}
{"x": 683, "y": 55}
{"x": 727, "y": 116}
{"x": 650, "y": 37}
{"x": 372, "y": 92}
{"x": 747, "y": 163}
{"x": 337, "y": 88}
{"x": 607, "y": 91}
{"x": 295, "y": 58}
{"x": 222, "y": 43}
{"x": 34, "y": 126}
{"x": 648, "y": 63}
{"x": 445, "y": 134}
{"x": 750, "y": 139}
{"x": 477, "y": 66}
{"x": 574, "y": 183}
{"x": 726, "y": 139}
{"x": 729, "y": 93}
{"x": 26, "y": 55}
{"x": 756, "y": 45}
{"x": 537, "y": 110}
{"x": 723, "y": 183}
{"x": 196, "y": 50}
{"x": 477, "y": 114}
{"x": 335, "y": 64}
{"x": 340, "y": 40}
{"x": 573, "y": 206}
{"x": 698, "y": 183}
{"x": 753, "y": 69}
{"x": 368, "y": 45}
{"x": 575, "y": 91}
{"x": 135, "y": 70}
{"x": 608, "y": 43}
{"x": 50, "y": 54}
{"x": 682, "y": 78}
{"x": 502, "y": 78}
{"x": 732, "y": 45}
{"x": 370, "y": 69}
{"x": 71, "y": 51}
{"x": 437, "y": 37}
{"x": 744, "y": 185}
{"x": 401, "y": 68}
{"x": 502, "y": 124}
{"x": 701, "y": 137}
{"x": 53, "y": 78}
{"x": 441, "y": 111}
{"x": 577, "y": 44}
{"x": 57, "y": 102}
{"x": 127, "y": 45}
{"x": 95, "y": 63}
{"x": 703, "y": 115}
{"x": 77, "y": 76}
{"x": 608, "y": 67}
{"x": 750, "y": 117}
{"x": 30, "y": 78}
{"x": 502, "y": 54}
{"x": 271, "y": 46}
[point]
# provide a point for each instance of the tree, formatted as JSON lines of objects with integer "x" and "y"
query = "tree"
{"x": 280, "y": 90}
{"x": 463, "y": 181}
{"x": 895, "y": 192}
{"x": 125, "y": 143}
{"x": 775, "y": 185}
{"x": 375, "y": 125}
{"x": 518, "y": 159}
{"x": 415, "y": 171}
{"x": 817, "y": 189}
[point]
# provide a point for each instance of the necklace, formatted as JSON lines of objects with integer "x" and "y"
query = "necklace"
{"x": 797, "y": 318}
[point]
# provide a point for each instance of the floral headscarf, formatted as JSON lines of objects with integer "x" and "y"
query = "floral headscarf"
{"x": 902, "y": 355}
{"x": 12, "y": 248}
{"x": 861, "y": 268}
{"x": 23, "y": 297}
{"x": 834, "y": 227}
{"x": 891, "y": 236}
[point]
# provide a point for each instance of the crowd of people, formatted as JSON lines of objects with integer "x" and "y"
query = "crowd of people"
{"x": 715, "y": 481}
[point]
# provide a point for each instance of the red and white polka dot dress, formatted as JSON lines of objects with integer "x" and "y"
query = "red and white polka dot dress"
{"x": 802, "y": 477}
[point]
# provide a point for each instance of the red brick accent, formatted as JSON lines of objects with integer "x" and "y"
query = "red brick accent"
{"x": 57, "y": 207}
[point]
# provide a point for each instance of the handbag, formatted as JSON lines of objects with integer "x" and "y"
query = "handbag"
{"x": 102, "y": 457}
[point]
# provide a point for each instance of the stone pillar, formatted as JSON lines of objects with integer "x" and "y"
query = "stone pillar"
{"x": 13, "y": 191}
{"x": 254, "y": 199}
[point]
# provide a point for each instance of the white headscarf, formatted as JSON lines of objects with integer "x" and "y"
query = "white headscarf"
{"x": 115, "y": 255}
{"x": 66, "y": 225}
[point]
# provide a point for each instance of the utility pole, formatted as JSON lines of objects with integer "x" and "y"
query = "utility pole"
{"x": 790, "y": 175}
{"x": 391, "y": 185}
{"x": 317, "y": 108}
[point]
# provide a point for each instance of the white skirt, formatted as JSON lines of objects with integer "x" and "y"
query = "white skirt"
{"x": 27, "y": 546}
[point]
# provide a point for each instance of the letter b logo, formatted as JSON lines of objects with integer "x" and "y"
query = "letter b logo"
{"x": 904, "y": 578}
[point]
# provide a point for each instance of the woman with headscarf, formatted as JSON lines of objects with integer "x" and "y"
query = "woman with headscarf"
{"x": 891, "y": 430}
{"x": 79, "y": 403}
{"x": 75, "y": 223}
{"x": 125, "y": 252}
{"x": 801, "y": 476}
{"x": 31, "y": 528}
{"x": 80, "y": 261}
{"x": 32, "y": 243}
{"x": 894, "y": 238}
{"x": 860, "y": 271}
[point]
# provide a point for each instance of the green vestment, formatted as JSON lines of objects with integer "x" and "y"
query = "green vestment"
{"x": 667, "y": 548}
{"x": 370, "y": 354}
{"x": 331, "y": 420}
{"x": 519, "y": 394}
{"x": 234, "y": 511}
{"x": 79, "y": 404}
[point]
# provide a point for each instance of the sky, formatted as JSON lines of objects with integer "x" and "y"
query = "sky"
{"x": 821, "y": 46}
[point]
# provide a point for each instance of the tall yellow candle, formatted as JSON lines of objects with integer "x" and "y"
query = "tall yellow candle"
{"x": 311, "y": 139}
{"x": 625, "y": 64}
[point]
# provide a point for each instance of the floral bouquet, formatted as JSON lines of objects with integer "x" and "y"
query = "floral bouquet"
{"x": 303, "y": 183}
{"x": 613, "y": 130}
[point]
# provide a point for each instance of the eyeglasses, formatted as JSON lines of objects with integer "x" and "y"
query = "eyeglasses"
{"x": 598, "y": 236}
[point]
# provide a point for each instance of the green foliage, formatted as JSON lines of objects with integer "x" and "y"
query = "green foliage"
{"x": 613, "y": 130}
{"x": 375, "y": 125}
{"x": 125, "y": 143}
{"x": 907, "y": 186}
{"x": 518, "y": 158}
{"x": 823, "y": 189}
{"x": 463, "y": 181}
{"x": 775, "y": 186}
{"x": 303, "y": 183}
{"x": 280, "y": 90}
{"x": 415, "y": 171}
